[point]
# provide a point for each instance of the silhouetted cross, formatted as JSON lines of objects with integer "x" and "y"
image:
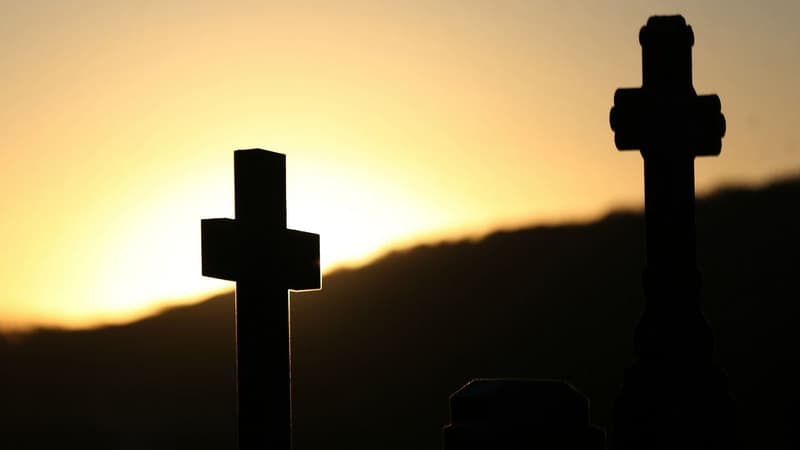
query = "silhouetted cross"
{"x": 265, "y": 259}
{"x": 670, "y": 124}
{"x": 674, "y": 397}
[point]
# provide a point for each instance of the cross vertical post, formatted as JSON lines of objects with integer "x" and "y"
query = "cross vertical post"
{"x": 265, "y": 259}
{"x": 673, "y": 397}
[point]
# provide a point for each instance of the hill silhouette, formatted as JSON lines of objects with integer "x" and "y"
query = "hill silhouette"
{"x": 378, "y": 351}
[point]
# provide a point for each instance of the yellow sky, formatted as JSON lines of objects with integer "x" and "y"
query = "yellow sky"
{"x": 401, "y": 121}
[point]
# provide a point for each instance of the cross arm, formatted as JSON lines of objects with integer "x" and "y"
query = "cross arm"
{"x": 231, "y": 251}
{"x": 219, "y": 248}
{"x": 302, "y": 261}
{"x": 642, "y": 119}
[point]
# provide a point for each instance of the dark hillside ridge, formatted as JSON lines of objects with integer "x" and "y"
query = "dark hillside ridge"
{"x": 380, "y": 349}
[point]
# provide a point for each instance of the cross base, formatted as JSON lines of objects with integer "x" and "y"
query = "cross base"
{"x": 665, "y": 406}
{"x": 674, "y": 397}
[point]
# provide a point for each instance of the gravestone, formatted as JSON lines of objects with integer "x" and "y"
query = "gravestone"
{"x": 674, "y": 397}
{"x": 265, "y": 259}
{"x": 506, "y": 413}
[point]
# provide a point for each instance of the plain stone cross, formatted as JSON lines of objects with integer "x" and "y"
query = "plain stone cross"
{"x": 674, "y": 397}
{"x": 265, "y": 259}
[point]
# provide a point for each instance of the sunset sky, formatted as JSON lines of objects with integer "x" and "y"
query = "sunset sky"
{"x": 402, "y": 122}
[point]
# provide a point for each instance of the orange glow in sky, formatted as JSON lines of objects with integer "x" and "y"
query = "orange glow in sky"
{"x": 400, "y": 122}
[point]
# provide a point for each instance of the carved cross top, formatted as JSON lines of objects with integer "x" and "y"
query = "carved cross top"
{"x": 666, "y": 113}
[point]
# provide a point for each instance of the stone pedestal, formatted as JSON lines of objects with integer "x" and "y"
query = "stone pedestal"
{"x": 678, "y": 407}
{"x": 520, "y": 414}
{"x": 674, "y": 396}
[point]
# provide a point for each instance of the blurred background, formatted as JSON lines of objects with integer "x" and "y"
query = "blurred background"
{"x": 402, "y": 122}
{"x": 456, "y": 158}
